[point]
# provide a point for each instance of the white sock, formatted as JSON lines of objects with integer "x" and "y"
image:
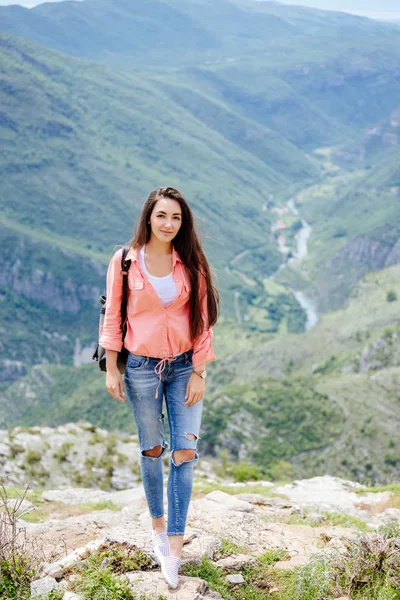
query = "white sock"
{"x": 161, "y": 541}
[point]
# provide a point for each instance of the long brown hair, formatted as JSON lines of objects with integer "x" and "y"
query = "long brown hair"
{"x": 187, "y": 244}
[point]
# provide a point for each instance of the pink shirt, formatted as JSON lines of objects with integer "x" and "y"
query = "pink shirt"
{"x": 152, "y": 328}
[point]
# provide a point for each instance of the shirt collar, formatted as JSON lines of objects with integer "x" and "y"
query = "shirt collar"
{"x": 133, "y": 255}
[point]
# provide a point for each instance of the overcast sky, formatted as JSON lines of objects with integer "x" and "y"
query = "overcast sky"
{"x": 380, "y": 9}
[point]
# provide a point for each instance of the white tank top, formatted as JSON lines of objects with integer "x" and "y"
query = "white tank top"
{"x": 165, "y": 287}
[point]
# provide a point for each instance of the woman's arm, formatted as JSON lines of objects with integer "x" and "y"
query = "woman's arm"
{"x": 203, "y": 351}
{"x": 114, "y": 382}
{"x": 111, "y": 334}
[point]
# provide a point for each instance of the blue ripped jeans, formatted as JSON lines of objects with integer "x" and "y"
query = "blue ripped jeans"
{"x": 142, "y": 384}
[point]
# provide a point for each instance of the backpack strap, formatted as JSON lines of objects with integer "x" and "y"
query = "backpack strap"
{"x": 125, "y": 264}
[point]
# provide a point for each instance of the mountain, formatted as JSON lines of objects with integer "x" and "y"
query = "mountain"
{"x": 176, "y": 32}
{"x": 370, "y": 6}
{"x": 263, "y": 116}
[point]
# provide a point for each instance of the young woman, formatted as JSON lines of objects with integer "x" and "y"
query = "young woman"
{"x": 172, "y": 306}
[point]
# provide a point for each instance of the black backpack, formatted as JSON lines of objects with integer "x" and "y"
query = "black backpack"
{"x": 100, "y": 352}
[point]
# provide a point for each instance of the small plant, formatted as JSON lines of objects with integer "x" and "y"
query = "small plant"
{"x": 19, "y": 557}
{"x": 244, "y": 471}
{"x": 105, "y": 505}
{"x": 33, "y": 457}
{"x": 209, "y": 572}
{"x": 314, "y": 580}
{"x": 228, "y": 548}
{"x": 391, "y": 296}
{"x": 99, "y": 577}
{"x": 270, "y": 557}
{"x": 390, "y": 529}
{"x": 61, "y": 454}
{"x": 369, "y": 569}
{"x": 16, "y": 449}
{"x": 282, "y": 471}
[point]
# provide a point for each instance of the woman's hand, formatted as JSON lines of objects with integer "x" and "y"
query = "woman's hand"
{"x": 114, "y": 384}
{"x": 195, "y": 390}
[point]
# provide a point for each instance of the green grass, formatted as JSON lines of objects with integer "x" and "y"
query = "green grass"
{"x": 105, "y": 505}
{"x": 102, "y": 573}
{"x": 16, "y": 574}
{"x": 363, "y": 573}
{"x": 46, "y": 510}
{"x": 331, "y": 519}
{"x": 228, "y": 548}
{"x": 256, "y": 578}
{"x": 205, "y": 487}
{"x": 33, "y": 496}
{"x": 390, "y": 487}
{"x": 270, "y": 557}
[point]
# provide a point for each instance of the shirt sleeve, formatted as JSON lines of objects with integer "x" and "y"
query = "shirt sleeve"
{"x": 111, "y": 333}
{"x": 203, "y": 347}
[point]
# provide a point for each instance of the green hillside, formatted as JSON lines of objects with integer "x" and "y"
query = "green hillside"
{"x": 333, "y": 391}
{"x": 81, "y": 148}
{"x": 49, "y": 290}
{"x": 123, "y": 32}
{"x": 85, "y": 145}
{"x": 323, "y": 401}
{"x": 355, "y": 229}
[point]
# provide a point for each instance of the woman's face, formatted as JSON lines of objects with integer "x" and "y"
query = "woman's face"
{"x": 166, "y": 219}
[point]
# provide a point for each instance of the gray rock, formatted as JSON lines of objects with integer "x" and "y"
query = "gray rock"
{"x": 236, "y": 562}
{"x": 43, "y": 586}
{"x": 71, "y": 596}
{"x": 75, "y": 445}
{"x": 53, "y": 570}
{"x": 76, "y": 555}
{"x": 56, "y": 572}
{"x": 256, "y": 499}
{"x": 76, "y": 496}
{"x": 153, "y": 585}
{"x": 62, "y": 585}
{"x": 235, "y": 578}
{"x": 332, "y": 494}
{"x": 44, "y": 567}
{"x": 225, "y": 502}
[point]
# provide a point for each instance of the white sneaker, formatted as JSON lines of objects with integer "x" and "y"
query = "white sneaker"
{"x": 170, "y": 565}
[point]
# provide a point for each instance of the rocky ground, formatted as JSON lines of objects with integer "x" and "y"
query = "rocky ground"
{"x": 77, "y": 453}
{"x": 233, "y": 529}
{"x": 85, "y": 504}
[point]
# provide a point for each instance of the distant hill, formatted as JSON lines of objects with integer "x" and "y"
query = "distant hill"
{"x": 178, "y": 32}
